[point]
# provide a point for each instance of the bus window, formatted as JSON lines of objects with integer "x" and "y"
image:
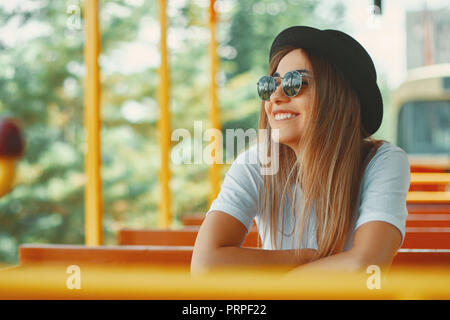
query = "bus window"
{"x": 424, "y": 127}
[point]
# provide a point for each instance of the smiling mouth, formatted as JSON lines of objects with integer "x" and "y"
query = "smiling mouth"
{"x": 285, "y": 116}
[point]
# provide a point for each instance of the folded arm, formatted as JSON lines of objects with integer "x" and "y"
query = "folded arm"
{"x": 220, "y": 237}
{"x": 219, "y": 241}
{"x": 374, "y": 243}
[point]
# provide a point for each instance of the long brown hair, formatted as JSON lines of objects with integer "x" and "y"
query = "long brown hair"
{"x": 333, "y": 155}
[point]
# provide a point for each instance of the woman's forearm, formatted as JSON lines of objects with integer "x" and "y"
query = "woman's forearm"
{"x": 345, "y": 262}
{"x": 230, "y": 256}
{"x": 375, "y": 243}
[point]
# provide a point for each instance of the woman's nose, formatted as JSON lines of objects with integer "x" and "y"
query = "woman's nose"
{"x": 278, "y": 96}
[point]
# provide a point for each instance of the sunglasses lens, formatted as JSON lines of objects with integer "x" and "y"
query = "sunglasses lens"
{"x": 292, "y": 82}
{"x": 265, "y": 86}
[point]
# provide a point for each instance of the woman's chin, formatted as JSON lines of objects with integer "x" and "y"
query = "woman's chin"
{"x": 286, "y": 139}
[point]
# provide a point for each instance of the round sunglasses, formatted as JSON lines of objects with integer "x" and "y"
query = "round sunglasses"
{"x": 292, "y": 82}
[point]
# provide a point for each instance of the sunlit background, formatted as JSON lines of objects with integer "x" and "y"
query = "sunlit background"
{"x": 41, "y": 84}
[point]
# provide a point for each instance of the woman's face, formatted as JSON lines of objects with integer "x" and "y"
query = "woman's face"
{"x": 298, "y": 107}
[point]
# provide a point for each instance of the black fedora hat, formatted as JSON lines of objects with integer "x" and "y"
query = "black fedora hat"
{"x": 349, "y": 57}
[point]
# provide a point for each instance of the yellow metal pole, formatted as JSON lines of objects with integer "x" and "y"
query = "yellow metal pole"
{"x": 164, "y": 215}
{"x": 7, "y": 174}
{"x": 93, "y": 192}
{"x": 214, "y": 170}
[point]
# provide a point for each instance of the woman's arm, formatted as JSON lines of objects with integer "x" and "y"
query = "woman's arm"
{"x": 219, "y": 241}
{"x": 375, "y": 243}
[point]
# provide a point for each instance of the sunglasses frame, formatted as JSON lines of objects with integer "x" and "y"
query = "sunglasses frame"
{"x": 273, "y": 80}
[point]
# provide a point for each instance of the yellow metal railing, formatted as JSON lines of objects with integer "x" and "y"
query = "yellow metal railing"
{"x": 93, "y": 282}
{"x": 93, "y": 191}
{"x": 7, "y": 174}
{"x": 214, "y": 171}
{"x": 164, "y": 216}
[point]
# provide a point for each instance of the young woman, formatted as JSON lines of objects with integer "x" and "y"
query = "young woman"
{"x": 338, "y": 198}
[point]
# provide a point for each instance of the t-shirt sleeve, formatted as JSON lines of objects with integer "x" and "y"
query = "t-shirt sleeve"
{"x": 238, "y": 194}
{"x": 384, "y": 190}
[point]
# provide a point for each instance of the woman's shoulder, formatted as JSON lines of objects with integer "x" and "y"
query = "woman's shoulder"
{"x": 388, "y": 161}
{"x": 248, "y": 156}
{"x": 247, "y": 159}
{"x": 246, "y": 164}
{"x": 388, "y": 152}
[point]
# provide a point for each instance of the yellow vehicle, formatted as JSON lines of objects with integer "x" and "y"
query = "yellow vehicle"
{"x": 421, "y": 106}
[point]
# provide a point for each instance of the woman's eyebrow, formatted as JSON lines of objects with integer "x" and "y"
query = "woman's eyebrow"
{"x": 276, "y": 74}
{"x": 304, "y": 71}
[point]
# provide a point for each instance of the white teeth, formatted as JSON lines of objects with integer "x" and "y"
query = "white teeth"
{"x": 282, "y": 116}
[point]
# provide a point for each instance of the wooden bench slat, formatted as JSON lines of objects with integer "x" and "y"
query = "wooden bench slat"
{"x": 192, "y": 219}
{"x": 429, "y": 187}
{"x": 427, "y": 238}
{"x": 428, "y": 220}
{"x": 415, "y": 237}
{"x": 413, "y": 208}
{"x": 172, "y": 237}
{"x": 196, "y": 219}
{"x": 173, "y": 255}
{"x": 152, "y": 255}
{"x": 428, "y": 223}
{"x": 154, "y": 236}
{"x": 426, "y": 181}
{"x": 422, "y": 257}
{"x": 442, "y": 197}
{"x": 428, "y": 208}
{"x": 430, "y": 178}
{"x": 429, "y": 168}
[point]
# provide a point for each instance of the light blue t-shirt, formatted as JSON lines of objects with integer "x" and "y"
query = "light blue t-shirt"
{"x": 382, "y": 197}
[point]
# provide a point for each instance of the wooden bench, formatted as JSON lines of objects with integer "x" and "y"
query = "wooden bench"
{"x": 419, "y": 238}
{"x": 417, "y": 207}
{"x": 192, "y": 219}
{"x": 428, "y": 215}
{"x": 427, "y": 238}
{"x": 179, "y": 256}
{"x": 196, "y": 219}
{"x": 172, "y": 237}
{"x": 427, "y": 168}
{"x": 421, "y": 258}
{"x": 110, "y": 255}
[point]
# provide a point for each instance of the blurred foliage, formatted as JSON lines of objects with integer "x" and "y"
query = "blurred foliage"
{"x": 41, "y": 85}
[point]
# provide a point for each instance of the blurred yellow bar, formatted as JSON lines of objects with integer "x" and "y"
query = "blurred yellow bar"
{"x": 428, "y": 197}
{"x": 7, "y": 174}
{"x": 93, "y": 282}
{"x": 92, "y": 121}
{"x": 164, "y": 213}
{"x": 430, "y": 178}
{"x": 214, "y": 117}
